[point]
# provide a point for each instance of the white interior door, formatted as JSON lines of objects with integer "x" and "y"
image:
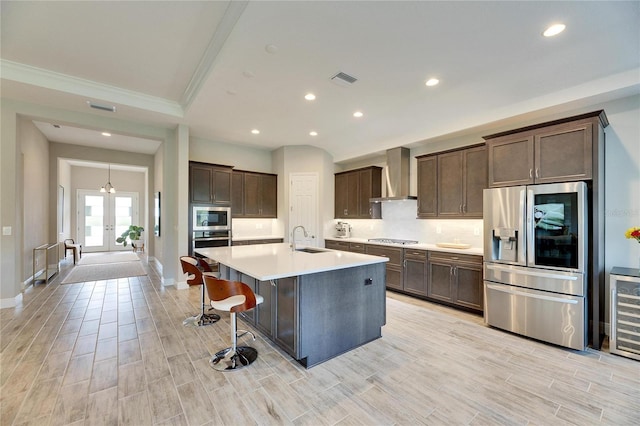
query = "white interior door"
{"x": 303, "y": 209}
{"x": 102, "y": 217}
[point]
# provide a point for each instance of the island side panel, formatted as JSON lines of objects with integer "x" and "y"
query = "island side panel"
{"x": 340, "y": 310}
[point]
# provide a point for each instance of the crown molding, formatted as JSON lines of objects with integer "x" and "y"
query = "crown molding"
{"x": 91, "y": 90}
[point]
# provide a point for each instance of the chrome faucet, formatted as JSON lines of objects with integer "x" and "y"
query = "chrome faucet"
{"x": 293, "y": 236}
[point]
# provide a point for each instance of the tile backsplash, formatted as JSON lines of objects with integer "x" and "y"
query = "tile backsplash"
{"x": 399, "y": 221}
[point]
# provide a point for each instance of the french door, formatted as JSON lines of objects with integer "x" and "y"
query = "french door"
{"x": 103, "y": 217}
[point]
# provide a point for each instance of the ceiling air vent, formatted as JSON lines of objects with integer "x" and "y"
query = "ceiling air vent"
{"x": 109, "y": 108}
{"x": 343, "y": 79}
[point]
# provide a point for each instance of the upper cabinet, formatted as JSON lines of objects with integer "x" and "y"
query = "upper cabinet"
{"x": 353, "y": 189}
{"x": 209, "y": 184}
{"x": 450, "y": 184}
{"x": 560, "y": 151}
{"x": 255, "y": 196}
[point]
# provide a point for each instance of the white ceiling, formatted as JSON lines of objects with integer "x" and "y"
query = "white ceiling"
{"x": 206, "y": 64}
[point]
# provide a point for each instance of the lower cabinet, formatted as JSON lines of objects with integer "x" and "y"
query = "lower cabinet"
{"x": 259, "y": 241}
{"x": 415, "y": 272}
{"x": 336, "y": 245}
{"x": 455, "y": 279}
{"x": 394, "y": 265}
{"x": 276, "y": 316}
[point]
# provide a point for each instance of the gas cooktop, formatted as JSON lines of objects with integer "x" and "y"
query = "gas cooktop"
{"x": 392, "y": 241}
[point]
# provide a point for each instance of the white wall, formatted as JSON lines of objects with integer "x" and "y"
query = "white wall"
{"x": 239, "y": 157}
{"x": 622, "y": 182}
{"x": 34, "y": 158}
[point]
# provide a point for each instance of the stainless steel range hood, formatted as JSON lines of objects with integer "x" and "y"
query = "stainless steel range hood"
{"x": 396, "y": 176}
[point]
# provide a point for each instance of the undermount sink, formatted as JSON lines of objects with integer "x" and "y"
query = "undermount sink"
{"x": 311, "y": 250}
{"x": 454, "y": 245}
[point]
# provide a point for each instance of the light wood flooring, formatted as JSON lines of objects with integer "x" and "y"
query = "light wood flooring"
{"x": 116, "y": 352}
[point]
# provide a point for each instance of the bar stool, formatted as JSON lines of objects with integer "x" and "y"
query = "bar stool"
{"x": 194, "y": 268}
{"x": 233, "y": 297}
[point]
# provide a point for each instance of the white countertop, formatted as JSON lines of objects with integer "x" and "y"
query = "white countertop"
{"x": 273, "y": 261}
{"x": 477, "y": 251}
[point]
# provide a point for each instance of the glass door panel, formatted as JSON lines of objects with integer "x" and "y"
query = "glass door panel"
{"x": 104, "y": 217}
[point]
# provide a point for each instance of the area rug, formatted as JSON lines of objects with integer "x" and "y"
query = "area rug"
{"x": 105, "y": 271}
{"x": 94, "y": 259}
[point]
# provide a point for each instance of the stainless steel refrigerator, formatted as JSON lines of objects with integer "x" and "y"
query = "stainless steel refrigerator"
{"x": 535, "y": 272}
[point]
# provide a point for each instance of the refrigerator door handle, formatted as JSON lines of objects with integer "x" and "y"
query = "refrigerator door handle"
{"x": 533, "y": 273}
{"x": 531, "y": 295}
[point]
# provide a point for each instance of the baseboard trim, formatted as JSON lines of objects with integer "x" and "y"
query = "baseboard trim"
{"x": 11, "y": 302}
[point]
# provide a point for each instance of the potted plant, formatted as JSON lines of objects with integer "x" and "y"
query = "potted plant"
{"x": 132, "y": 234}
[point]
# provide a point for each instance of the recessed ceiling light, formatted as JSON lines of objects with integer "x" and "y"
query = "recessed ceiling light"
{"x": 313, "y": 133}
{"x": 310, "y": 96}
{"x": 255, "y": 131}
{"x": 358, "y": 114}
{"x": 271, "y": 48}
{"x": 432, "y": 82}
{"x": 106, "y": 134}
{"x": 554, "y": 29}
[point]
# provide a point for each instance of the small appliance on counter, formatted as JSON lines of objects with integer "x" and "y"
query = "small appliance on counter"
{"x": 344, "y": 230}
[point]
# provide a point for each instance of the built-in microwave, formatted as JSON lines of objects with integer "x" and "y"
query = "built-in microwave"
{"x": 210, "y": 218}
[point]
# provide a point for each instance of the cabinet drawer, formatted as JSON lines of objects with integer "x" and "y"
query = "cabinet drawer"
{"x": 356, "y": 247}
{"x": 394, "y": 254}
{"x": 454, "y": 257}
{"x": 415, "y": 254}
{"x": 336, "y": 245}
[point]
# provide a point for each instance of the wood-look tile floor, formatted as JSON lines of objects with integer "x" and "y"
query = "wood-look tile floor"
{"x": 116, "y": 352}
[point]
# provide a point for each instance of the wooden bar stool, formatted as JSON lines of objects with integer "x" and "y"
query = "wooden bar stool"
{"x": 194, "y": 268}
{"x": 233, "y": 297}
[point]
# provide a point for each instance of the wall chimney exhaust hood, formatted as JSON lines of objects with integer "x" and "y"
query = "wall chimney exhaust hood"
{"x": 396, "y": 175}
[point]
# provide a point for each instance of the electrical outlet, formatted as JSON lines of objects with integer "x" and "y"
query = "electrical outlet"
{"x": 476, "y": 231}
{"x": 438, "y": 230}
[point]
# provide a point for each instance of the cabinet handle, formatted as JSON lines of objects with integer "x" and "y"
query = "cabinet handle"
{"x": 273, "y": 283}
{"x": 537, "y": 170}
{"x": 345, "y": 212}
{"x": 530, "y": 173}
{"x": 464, "y": 208}
{"x": 460, "y": 208}
{"x": 404, "y": 263}
{"x": 450, "y": 270}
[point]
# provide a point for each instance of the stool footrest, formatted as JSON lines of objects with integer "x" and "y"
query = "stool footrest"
{"x": 201, "y": 320}
{"x": 228, "y": 360}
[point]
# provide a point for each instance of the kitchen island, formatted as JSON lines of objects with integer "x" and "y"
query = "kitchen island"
{"x": 318, "y": 303}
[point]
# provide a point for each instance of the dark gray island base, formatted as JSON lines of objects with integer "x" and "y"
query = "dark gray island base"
{"x": 317, "y": 316}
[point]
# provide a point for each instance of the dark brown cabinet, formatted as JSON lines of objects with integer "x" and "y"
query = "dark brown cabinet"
{"x": 209, "y": 184}
{"x": 557, "y": 153}
{"x": 455, "y": 279}
{"x": 353, "y": 189}
{"x": 256, "y": 241}
{"x": 237, "y": 195}
{"x": 415, "y": 272}
{"x": 427, "y": 186}
{"x": 394, "y": 265}
{"x": 337, "y": 245}
{"x": 450, "y": 184}
{"x": 256, "y": 195}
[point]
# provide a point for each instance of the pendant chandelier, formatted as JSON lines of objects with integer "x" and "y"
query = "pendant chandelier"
{"x": 108, "y": 187}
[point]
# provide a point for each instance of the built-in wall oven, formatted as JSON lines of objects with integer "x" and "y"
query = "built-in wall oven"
{"x": 535, "y": 252}
{"x": 210, "y": 227}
